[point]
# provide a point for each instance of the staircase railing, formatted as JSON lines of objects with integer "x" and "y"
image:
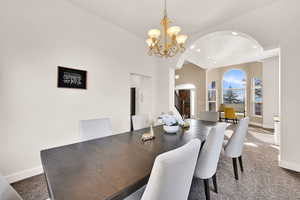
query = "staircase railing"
{"x": 178, "y": 103}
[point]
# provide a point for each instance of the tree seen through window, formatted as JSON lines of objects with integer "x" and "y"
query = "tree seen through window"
{"x": 234, "y": 83}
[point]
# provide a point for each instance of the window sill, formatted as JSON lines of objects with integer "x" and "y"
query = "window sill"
{"x": 257, "y": 116}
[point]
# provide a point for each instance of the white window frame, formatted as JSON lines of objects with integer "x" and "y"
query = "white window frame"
{"x": 216, "y": 92}
{"x": 253, "y": 97}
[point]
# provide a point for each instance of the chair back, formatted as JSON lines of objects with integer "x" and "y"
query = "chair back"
{"x": 229, "y": 113}
{"x": 209, "y": 116}
{"x": 234, "y": 147}
{"x": 7, "y": 192}
{"x": 140, "y": 122}
{"x": 95, "y": 128}
{"x": 172, "y": 173}
{"x": 238, "y": 107}
{"x": 221, "y": 108}
{"x": 210, "y": 153}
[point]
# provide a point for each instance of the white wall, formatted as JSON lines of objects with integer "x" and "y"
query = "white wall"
{"x": 277, "y": 25}
{"x": 36, "y": 36}
{"x": 270, "y": 91}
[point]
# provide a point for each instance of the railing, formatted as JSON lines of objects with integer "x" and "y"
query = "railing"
{"x": 178, "y": 103}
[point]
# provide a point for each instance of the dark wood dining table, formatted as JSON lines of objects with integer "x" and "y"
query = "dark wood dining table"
{"x": 113, "y": 167}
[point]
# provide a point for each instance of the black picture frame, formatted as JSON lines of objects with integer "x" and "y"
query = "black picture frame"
{"x": 71, "y": 78}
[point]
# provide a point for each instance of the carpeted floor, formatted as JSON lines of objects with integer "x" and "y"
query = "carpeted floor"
{"x": 262, "y": 179}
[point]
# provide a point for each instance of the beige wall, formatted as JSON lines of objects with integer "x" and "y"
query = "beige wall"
{"x": 252, "y": 70}
{"x": 192, "y": 74}
{"x": 271, "y": 92}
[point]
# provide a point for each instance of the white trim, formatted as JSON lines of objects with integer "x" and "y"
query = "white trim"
{"x": 256, "y": 124}
{"x": 216, "y": 93}
{"x": 18, "y": 176}
{"x": 289, "y": 165}
{"x": 253, "y": 100}
{"x": 268, "y": 126}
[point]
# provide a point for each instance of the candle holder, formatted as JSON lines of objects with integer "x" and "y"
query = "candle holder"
{"x": 150, "y": 135}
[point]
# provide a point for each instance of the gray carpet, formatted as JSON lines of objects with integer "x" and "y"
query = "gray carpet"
{"x": 262, "y": 179}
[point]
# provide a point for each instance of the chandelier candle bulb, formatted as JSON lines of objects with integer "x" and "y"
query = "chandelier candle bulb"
{"x": 174, "y": 30}
{"x": 154, "y": 33}
{"x": 149, "y": 42}
{"x": 181, "y": 39}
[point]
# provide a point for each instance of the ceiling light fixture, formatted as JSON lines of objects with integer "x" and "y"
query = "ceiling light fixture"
{"x": 170, "y": 43}
{"x": 192, "y": 47}
{"x": 198, "y": 50}
{"x": 234, "y": 33}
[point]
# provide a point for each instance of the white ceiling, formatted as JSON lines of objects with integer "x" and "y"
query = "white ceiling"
{"x": 225, "y": 48}
{"x": 138, "y": 16}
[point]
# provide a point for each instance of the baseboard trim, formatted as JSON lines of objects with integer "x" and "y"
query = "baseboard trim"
{"x": 18, "y": 176}
{"x": 256, "y": 124}
{"x": 268, "y": 126}
{"x": 289, "y": 165}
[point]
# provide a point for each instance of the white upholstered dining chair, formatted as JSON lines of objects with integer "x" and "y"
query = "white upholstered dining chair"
{"x": 140, "y": 122}
{"x": 234, "y": 147}
{"x": 7, "y": 192}
{"x": 95, "y": 128}
{"x": 209, "y": 116}
{"x": 172, "y": 174}
{"x": 209, "y": 157}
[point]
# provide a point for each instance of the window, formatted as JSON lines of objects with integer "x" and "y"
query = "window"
{"x": 212, "y": 97}
{"x": 257, "y": 96}
{"x": 234, "y": 87}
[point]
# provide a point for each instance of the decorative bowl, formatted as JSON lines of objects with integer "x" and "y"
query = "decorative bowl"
{"x": 171, "y": 129}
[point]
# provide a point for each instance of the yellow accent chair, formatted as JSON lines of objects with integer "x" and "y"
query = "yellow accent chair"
{"x": 230, "y": 114}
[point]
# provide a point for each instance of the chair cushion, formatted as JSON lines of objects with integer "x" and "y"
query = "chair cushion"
{"x": 136, "y": 195}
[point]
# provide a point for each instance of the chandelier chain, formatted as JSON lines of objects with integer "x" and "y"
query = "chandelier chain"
{"x": 165, "y": 8}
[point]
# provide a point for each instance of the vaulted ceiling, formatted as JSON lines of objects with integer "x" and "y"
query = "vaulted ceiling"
{"x": 138, "y": 16}
{"x": 225, "y": 48}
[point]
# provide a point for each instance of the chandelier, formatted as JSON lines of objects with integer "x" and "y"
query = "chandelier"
{"x": 170, "y": 42}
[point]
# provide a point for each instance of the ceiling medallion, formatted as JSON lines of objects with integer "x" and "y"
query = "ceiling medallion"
{"x": 170, "y": 43}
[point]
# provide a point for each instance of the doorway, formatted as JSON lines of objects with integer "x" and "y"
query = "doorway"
{"x": 140, "y": 96}
{"x": 184, "y": 103}
{"x": 132, "y": 105}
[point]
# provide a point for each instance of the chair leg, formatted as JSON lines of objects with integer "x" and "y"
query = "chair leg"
{"x": 202, "y": 144}
{"x": 241, "y": 163}
{"x": 235, "y": 169}
{"x": 206, "y": 188}
{"x": 215, "y": 182}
